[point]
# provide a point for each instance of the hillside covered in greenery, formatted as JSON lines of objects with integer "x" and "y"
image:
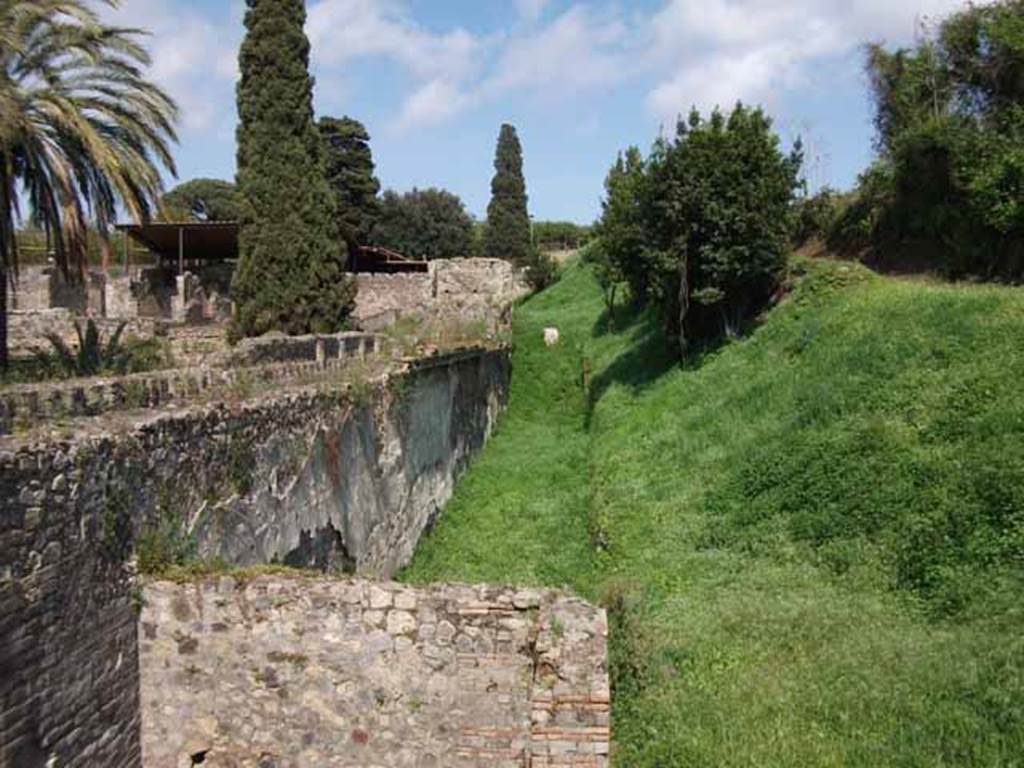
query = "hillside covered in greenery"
{"x": 810, "y": 540}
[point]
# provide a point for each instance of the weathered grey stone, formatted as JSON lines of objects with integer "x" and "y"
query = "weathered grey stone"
{"x": 285, "y": 684}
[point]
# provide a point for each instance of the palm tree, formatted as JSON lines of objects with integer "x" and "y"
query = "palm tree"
{"x": 82, "y": 131}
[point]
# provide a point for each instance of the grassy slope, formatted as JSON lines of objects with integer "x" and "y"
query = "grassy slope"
{"x": 811, "y": 539}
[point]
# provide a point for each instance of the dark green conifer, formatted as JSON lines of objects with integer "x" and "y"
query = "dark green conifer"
{"x": 508, "y": 222}
{"x": 290, "y": 274}
{"x": 349, "y": 165}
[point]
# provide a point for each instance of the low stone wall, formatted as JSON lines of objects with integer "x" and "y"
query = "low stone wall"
{"x": 278, "y": 348}
{"x": 464, "y": 290}
{"x": 268, "y": 359}
{"x": 27, "y": 329}
{"x": 299, "y": 672}
{"x": 313, "y": 478}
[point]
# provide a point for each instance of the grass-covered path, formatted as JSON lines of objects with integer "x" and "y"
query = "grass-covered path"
{"x": 811, "y": 540}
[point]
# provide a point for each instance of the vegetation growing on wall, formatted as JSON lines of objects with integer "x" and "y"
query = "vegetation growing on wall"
{"x": 291, "y": 269}
{"x": 350, "y": 174}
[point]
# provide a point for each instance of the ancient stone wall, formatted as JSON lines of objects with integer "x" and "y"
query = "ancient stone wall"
{"x": 27, "y": 329}
{"x": 32, "y": 290}
{"x": 301, "y": 672}
{"x": 465, "y": 290}
{"x": 313, "y": 477}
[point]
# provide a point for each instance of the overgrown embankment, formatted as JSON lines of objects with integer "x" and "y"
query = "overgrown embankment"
{"x": 811, "y": 539}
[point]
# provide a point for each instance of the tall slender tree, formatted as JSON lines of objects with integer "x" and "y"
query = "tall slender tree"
{"x": 82, "y": 131}
{"x": 290, "y": 274}
{"x": 508, "y": 223}
{"x": 349, "y": 166}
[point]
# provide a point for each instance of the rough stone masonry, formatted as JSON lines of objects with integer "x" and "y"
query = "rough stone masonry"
{"x": 309, "y": 672}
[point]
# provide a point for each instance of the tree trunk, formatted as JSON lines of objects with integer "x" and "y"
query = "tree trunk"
{"x": 684, "y": 302}
{"x": 610, "y": 300}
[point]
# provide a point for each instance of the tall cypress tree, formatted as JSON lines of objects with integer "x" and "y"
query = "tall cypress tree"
{"x": 350, "y": 176}
{"x": 508, "y": 222}
{"x": 290, "y": 274}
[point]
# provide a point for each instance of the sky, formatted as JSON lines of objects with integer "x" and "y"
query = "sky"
{"x": 433, "y": 80}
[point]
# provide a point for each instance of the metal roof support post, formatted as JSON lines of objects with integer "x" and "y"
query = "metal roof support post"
{"x": 124, "y": 250}
{"x": 181, "y": 251}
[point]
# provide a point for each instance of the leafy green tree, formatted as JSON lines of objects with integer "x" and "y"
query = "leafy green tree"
{"x": 350, "y": 172}
{"x": 203, "y": 200}
{"x": 608, "y": 273}
{"x": 82, "y": 132}
{"x": 425, "y": 224}
{"x": 622, "y": 229}
{"x": 291, "y": 270}
{"x": 508, "y": 222}
{"x": 717, "y": 203}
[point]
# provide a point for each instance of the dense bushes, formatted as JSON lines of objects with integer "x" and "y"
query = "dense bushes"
{"x": 702, "y": 227}
{"x": 815, "y": 216}
{"x": 947, "y": 190}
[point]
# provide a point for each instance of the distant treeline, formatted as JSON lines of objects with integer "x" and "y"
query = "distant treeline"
{"x": 560, "y": 235}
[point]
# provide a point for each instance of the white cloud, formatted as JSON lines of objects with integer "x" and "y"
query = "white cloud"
{"x": 716, "y": 52}
{"x": 579, "y": 49}
{"x": 433, "y": 103}
{"x": 340, "y": 30}
{"x": 194, "y": 58}
{"x": 686, "y": 52}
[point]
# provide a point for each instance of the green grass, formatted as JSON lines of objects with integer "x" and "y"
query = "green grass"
{"x": 811, "y": 540}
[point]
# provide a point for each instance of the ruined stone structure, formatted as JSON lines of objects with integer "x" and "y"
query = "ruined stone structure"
{"x": 469, "y": 290}
{"x": 309, "y": 477}
{"x": 321, "y": 452}
{"x": 257, "y": 361}
{"x": 296, "y": 673}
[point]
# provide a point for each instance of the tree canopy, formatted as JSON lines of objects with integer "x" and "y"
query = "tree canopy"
{"x": 425, "y": 224}
{"x": 290, "y": 275}
{"x": 350, "y": 174}
{"x": 701, "y": 228}
{"x": 507, "y": 235}
{"x": 203, "y": 200}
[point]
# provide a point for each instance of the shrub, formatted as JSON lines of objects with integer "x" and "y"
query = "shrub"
{"x": 815, "y": 215}
{"x": 164, "y": 545}
{"x": 541, "y": 270}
